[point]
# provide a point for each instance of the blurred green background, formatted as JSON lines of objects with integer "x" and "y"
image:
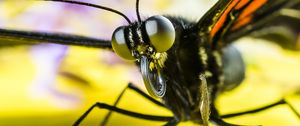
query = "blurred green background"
{"x": 86, "y": 75}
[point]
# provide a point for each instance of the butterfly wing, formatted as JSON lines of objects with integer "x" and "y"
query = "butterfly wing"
{"x": 228, "y": 21}
{"x": 14, "y": 37}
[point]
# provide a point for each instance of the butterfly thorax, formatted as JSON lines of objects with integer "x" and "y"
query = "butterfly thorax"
{"x": 189, "y": 57}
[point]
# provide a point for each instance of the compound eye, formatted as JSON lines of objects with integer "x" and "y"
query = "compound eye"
{"x": 119, "y": 44}
{"x": 161, "y": 33}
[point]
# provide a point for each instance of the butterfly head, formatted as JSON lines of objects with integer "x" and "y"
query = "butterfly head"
{"x": 147, "y": 43}
{"x": 155, "y": 35}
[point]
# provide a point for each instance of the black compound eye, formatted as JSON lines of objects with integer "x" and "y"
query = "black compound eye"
{"x": 161, "y": 32}
{"x": 119, "y": 44}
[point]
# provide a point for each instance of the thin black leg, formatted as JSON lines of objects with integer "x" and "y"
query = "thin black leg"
{"x": 172, "y": 122}
{"x": 136, "y": 89}
{"x": 216, "y": 119}
{"x": 139, "y": 91}
{"x": 280, "y": 102}
{"x": 220, "y": 122}
{"x": 122, "y": 111}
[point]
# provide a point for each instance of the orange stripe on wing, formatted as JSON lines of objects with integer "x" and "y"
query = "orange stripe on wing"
{"x": 218, "y": 25}
{"x": 241, "y": 4}
{"x": 246, "y": 16}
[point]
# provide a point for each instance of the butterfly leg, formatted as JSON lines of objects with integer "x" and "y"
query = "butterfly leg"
{"x": 172, "y": 122}
{"x": 208, "y": 110}
{"x": 220, "y": 122}
{"x": 216, "y": 119}
{"x": 280, "y": 102}
{"x": 125, "y": 112}
{"x": 136, "y": 89}
{"x": 122, "y": 111}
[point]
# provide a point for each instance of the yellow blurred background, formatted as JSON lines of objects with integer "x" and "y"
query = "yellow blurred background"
{"x": 85, "y": 76}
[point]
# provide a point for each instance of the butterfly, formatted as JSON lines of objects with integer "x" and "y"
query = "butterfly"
{"x": 186, "y": 64}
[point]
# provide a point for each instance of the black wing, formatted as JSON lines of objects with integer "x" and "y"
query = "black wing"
{"x": 276, "y": 20}
{"x": 14, "y": 37}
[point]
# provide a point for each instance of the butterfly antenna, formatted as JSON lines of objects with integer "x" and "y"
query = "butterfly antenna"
{"x": 137, "y": 11}
{"x": 93, "y": 5}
